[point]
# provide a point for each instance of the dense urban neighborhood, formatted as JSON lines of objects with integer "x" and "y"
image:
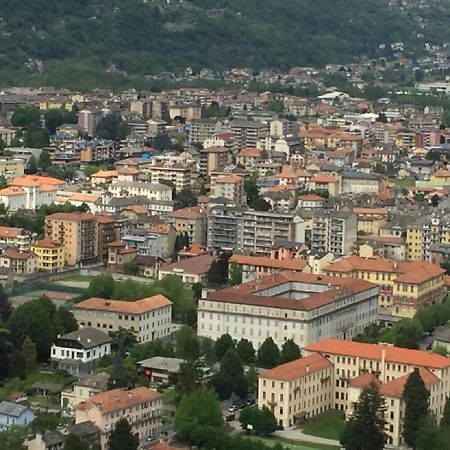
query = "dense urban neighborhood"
{"x": 236, "y": 258}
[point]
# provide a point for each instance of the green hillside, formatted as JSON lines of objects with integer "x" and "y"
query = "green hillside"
{"x": 67, "y": 38}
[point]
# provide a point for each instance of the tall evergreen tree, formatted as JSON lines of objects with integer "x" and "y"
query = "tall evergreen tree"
{"x": 222, "y": 345}
{"x": 122, "y": 438}
{"x": 30, "y": 354}
{"x": 17, "y": 365}
{"x": 416, "y": 399}
{"x": 289, "y": 352}
{"x": 246, "y": 351}
{"x": 445, "y": 419}
{"x": 74, "y": 442}
{"x": 5, "y": 306}
{"x": 365, "y": 430}
{"x": 5, "y": 348}
{"x": 268, "y": 354}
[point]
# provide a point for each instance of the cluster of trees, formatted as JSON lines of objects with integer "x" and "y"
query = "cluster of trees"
{"x": 198, "y": 422}
{"x": 32, "y": 134}
{"x": 261, "y": 421}
{"x": 27, "y": 333}
{"x": 254, "y": 199}
{"x": 111, "y": 127}
{"x": 218, "y": 271}
{"x": 184, "y": 308}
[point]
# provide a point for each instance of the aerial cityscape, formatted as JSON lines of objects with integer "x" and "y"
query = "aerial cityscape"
{"x": 224, "y": 225}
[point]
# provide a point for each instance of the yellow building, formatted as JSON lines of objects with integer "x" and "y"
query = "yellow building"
{"x": 370, "y": 220}
{"x": 404, "y": 286}
{"x": 50, "y": 255}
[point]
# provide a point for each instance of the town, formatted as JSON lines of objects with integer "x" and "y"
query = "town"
{"x": 259, "y": 265}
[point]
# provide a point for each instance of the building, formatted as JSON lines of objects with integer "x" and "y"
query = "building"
{"x": 150, "y": 318}
{"x": 248, "y": 157}
{"x": 107, "y": 232}
{"x": 14, "y": 414}
{"x": 83, "y": 389}
{"x": 261, "y": 229}
{"x": 202, "y": 129}
{"x": 12, "y": 167}
{"x": 370, "y": 220}
{"x": 334, "y": 372}
{"x": 191, "y": 220}
{"x": 79, "y": 351}
{"x": 333, "y": 231}
{"x": 176, "y": 173}
{"x": 404, "y": 286}
{"x": 146, "y": 244}
{"x": 153, "y": 191}
{"x": 141, "y": 406}
{"x": 289, "y": 305}
{"x": 15, "y": 237}
{"x": 50, "y": 255}
{"x": 361, "y": 183}
{"x": 88, "y": 120}
{"x": 77, "y": 232}
{"x": 20, "y": 263}
{"x": 248, "y": 133}
{"x": 224, "y": 228}
{"x": 230, "y": 187}
{"x": 190, "y": 270}
{"x": 214, "y": 159}
{"x": 161, "y": 370}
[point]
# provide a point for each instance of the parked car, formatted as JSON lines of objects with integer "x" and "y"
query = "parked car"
{"x": 233, "y": 408}
{"x": 251, "y": 402}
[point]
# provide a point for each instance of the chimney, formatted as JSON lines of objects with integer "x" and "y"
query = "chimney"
{"x": 307, "y": 368}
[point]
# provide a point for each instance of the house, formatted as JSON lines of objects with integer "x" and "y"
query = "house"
{"x": 324, "y": 182}
{"x": 150, "y": 317}
{"x": 160, "y": 369}
{"x": 50, "y": 255}
{"x": 120, "y": 254}
{"x": 192, "y": 221}
{"x": 190, "y": 270}
{"x": 14, "y": 414}
{"x": 15, "y": 237}
{"x": 354, "y": 182}
{"x": 79, "y": 351}
{"x": 20, "y": 263}
{"x": 141, "y": 406}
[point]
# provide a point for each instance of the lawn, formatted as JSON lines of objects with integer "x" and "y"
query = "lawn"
{"x": 76, "y": 278}
{"x": 327, "y": 425}
{"x": 16, "y": 384}
{"x": 293, "y": 445}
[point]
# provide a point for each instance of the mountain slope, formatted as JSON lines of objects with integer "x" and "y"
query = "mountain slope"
{"x": 148, "y": 36}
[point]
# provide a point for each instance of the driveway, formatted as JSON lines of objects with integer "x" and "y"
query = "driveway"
{"x": 297, "y": 435}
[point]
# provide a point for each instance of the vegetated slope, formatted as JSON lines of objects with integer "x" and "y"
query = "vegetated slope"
{"x": 148, "y": 36}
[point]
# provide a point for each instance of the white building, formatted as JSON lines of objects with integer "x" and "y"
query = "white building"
{"x": 150, "y": 318}
{"x": 291, "y": 305}
{"x": 153, "y": 191}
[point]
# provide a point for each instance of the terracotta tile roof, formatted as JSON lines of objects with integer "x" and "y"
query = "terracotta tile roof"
{"x": 121, "y": 306}
{"x": 195, "y": 212}
{"x": 370, "y": 211}
{"x": 73, "y": 216}
{"x": 420, "y": 358}
{"x": 11, "y": 232}
{"x": 79, "y": 197}
{"x": 119, "y": 399}
{"x": 104, "y": 218}
{"x": 395, "y": 387}
{"x": 232, "y": 179}
{"x": 323, "y": 178}
{"x": 11, "y": 191}
{"x": 310, "y": 198}
{"x": 105, "y": 174}
{"x": 197, "y": 265}
{"x": 298, "y": 368}
{"x": 442, "y": 173}
{"x": 12, "y": 253}
{"x": 138, "y": 209}
{"x": 250, "y": 152}
{"x": 383, "y": 239}
{"x": 363, "y": 380}
{"x": 35, "y": 180}
{"x": 46, "y": 243}
{"x": 127, "y": 171}
{"x": 262, "y": 261}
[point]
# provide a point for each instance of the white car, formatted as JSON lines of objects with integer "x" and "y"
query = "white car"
{"x": 233, "y": 408}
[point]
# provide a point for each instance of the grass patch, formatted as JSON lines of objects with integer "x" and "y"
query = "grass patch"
{"x": 327, "y": 425}
{"x": 293, "y": 445}
{"x": 403, "y": 182}
{"x": 77, "y": 278}
{"x": 16, "y": 384}
{"x": 170, "y": 395}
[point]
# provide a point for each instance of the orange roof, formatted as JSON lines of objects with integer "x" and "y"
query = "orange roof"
{"x": 79, "y": 197}
{"x": 310, "y": 198}
{"x": 73, "y": 216}
{"x": 119, "y": 399}
{"x": 122, "y": 306}
{"x": 10, "y": 191}
{"x": 232, "y": 179}
{"x": 46, "y": 243}
{"x": 364, "y": 380}
{"x": 370, "y": 211}
{"x": 35, "y": 180}
{"x": 444, "y": 173}
{"x": 263, "y": 261}
{"x": 12, "y": 253}
{"x": 298, "y": 368}
{"x": 195, "y": 212}
{"x": 250, "y": 152}
{"x": 323, "y": 178}
{"x": 138, "y": 209}
{"x": 105, "y": 174}
{"x": 374, "y": 352}
{"x": 395, "y": 387}
{"x": 127, "y": 171}
{"x": 10, "y": 232}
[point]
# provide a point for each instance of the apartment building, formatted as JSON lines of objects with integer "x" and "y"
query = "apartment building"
{"x": 50, "y": 255}
{"x": 230, "y": 187}
{"x": 425, "y": 231}
{"x": 361, "y": 183}
{"x": 15, "y": 237}
{"x": 370, "y": 220}
{"x": 224, "y": 228}
{"x": 290, "y": 305}
{"x": 88, "y": 119}
{"x": 77, "y": 232}
{"x": 334, "y": 372}
{"x": 192, "y": 221}
{"x": 404, "y": 286}
{"x": 248, "y": 133}
{"x": 261, "y": 229}
{"x": 141, "y": 406}
{"x": 150, "y": 317}
{"x": 202, "y": 129}
{"x": 331, "y": 231}
{"x": 153, "y": 191}
{"x": 12, "y": 167}
{"x": 178, "y": 174}
{"x": 214, "y": 159}
{"x": 18, "y": 262}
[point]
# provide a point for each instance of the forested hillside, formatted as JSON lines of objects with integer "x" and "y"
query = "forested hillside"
{"x": 149, "y": 36}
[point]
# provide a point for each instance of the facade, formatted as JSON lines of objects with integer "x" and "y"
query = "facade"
{"x": 370, "y": 220}
{"x": 230, "y": 187}
{"x": 146, "y": 244}
{"x": 14, "y": 414}
{"x": 77, "y": 232}
{"x": 361, "y": 183}
{"x": 153, "y": 191}
{"x": 20, "y": 263}
{"x": 214, "y": 159}
{"x": 202, "y": 129}
{"x": 79, "y": 351}
{"x": 404, "y": 286}
{"x": 12, "y": 167}
{"x": 192, "y": 221}
{"x": 334, "y": 372}
{"x": 190, "y": 270}
{"x": 150, "y": 318}
{"x": 289, "y": 305}
{"x": 18, "y": 238}
{"x": 178, "y": 174}
{"x": 248, "y": 133}
{"x": 141, "y": 406}
{"x": 224, "y": 228}
{"x": 50, "y": 255}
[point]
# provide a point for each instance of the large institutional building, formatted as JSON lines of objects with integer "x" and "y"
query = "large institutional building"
{"x": 290, "y": 305}
{"x": 334, "y": 372}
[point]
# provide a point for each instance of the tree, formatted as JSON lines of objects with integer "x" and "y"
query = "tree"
{"x": 245, "y": 351}
{"x": 249, "y": 416}
{"x": 190, "y": 376}
{"x": 268, "y": 354}
{"x": 197, "y": 289}
{"x": 266, "y": 423}
{"x": 17, "y": 364}
{"x": 231, "y": 376}
{"x": 222, "y": 345}
{"x": 5, "y": 347}
{"x": 66, "y": 321}
{"x": 53, "y": 119}
{"x": 416, "y": 399}
{"x": 365, "y": 430}
{"x": 30, "y": 354}
{"x": 187, "y": 345}
{"x": 74, "y": 442}
{"x": 290, "y": 351}
{"x": 185, "y": 198}
{"x": 261, "y": 205}
{"x": 234, "y": 274}
{"x": 426, "y": 317}
{"x": 5, "y": 306}
{"x": 218, "y": 271}
{"x": 445, "y": 419}
{"x": 44, "y": 161}
{"x": 13, "y": 438}
{"x": 26, "y": 117}
{"x": 198, "y": 408}
{"x": 102, "y": 286}
{"x": 407, "y": 333}
{"x": 111, "y": 127}
{"x": 131, "y": 268}
{"x": 32, "y": 165}
{"x": 122, "y": 437}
